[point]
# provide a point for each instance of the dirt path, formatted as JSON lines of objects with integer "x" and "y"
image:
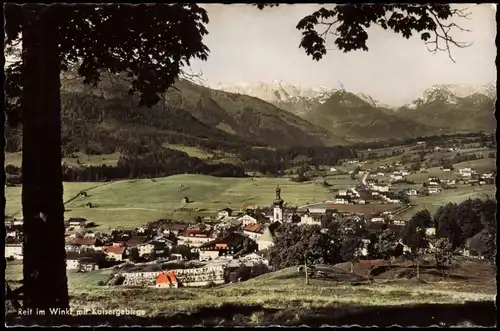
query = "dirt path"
{"x": 86, "y": 191}
{"x": 72, "y": 198}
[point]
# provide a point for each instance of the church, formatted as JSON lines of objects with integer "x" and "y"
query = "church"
{"x": 278, "y": 206}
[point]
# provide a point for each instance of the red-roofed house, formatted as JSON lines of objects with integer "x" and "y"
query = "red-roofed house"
{"x": 114, "y": 252}
{"x": 253, "y": 231}
{"x": 167, "y": 279}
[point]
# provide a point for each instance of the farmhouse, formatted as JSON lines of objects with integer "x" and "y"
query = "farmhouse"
{"x": 114, "y": 252}
{"x": 266, "y": 240}
{"x": 224, "y": 246}
{"x": 247, "y": 220}
{"x": 83, "y": 262}
{"x": 77, "y": 222}
{"x": 226, "y": 212}
{"x": 309, "y": 219}
{"x": 79, "y": 244}
{"x": 194, "y": 237}
{"x": 253, "y": 231}
{"x": 411, "y": 192}
{"x": 433, "y": 190}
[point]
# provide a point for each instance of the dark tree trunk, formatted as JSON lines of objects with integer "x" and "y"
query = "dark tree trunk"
{"x": 44, "y": 272}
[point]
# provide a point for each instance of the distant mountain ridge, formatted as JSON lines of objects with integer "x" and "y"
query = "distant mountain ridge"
{"x": 443, "y": 108}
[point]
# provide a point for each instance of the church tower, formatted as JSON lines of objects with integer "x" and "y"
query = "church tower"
{"x": 278, "y": 206}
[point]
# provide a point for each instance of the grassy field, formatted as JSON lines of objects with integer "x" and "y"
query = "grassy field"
{"x": 462, "y": 193}
{"x": 277, "y": 296}
{"x": 130, "y": 203}
{"x": 481, "y": 165}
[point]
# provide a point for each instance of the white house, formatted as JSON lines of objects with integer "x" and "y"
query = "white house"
{"x": 266, "y": 240}
{"x": 377, "y": 220}
{"x": 224, "y": 213}
{"x": 308, "y": 219}
{"x": 333, "y": 169}
{"x": 342, "y": 193}
{"x": 341, "y": 201}
{"x": 433, "y": 190}
{"x": 411, "y": 192}
{"x": 247, "y": 220}
{"x": 72, "y": 264}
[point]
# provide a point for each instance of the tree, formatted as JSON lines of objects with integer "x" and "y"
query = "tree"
{"x": 148, "y": 44}
{"x": 350, "y": 250}
{"x": 446, "y": 225}
{"x": 348, "y": 23}
{"x": 292, "y": 243}
{"x": 489, "y": 242}
{"x": 443, "y": 252}
{"x": 383, "y": 246}
{"x": 134, "y": 255}
{"x": 414, "y": 236}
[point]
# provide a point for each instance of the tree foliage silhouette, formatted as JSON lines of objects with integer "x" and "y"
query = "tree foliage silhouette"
{"x": 349, "y": 24}
{"x": 149, "y": 44}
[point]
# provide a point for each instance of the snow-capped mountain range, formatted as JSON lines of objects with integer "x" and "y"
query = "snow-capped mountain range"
{"x": 452, "y": 93}
{"x": 300, "y": 100}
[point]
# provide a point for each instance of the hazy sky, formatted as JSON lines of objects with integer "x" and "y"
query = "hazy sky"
{"x": 248, "y": 45}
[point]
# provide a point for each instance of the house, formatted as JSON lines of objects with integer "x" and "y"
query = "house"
{"x": 332, "y": 169}
{"x": 115, "y": 252}
{"x": 342, "y": 193}
{"x": 14, "y": 251}
{"x": 80, "y": 244}
{"x": 225, "y": 246}
{"x": 77, "y": 222}
{"x": 411, "y": 192}
{"x": 253, "y": 231}
{"x": 160, "y": 248}
{"x": 266, "y": 240}
{"x": 136, "y": 241}
{"x": 167, "y": 279}
{"x": 194, "y": 237}
{"x": 84, "y": 262}
{"x": 433, "y": 183}
{"x": 377, "y": 220}
{"x": 18, "y": 221}
{"x": 226, "y": 212}
{"x": 247, "y": 219}
{"x": 433, "y": 190}
{"x": 309, "y": 219}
